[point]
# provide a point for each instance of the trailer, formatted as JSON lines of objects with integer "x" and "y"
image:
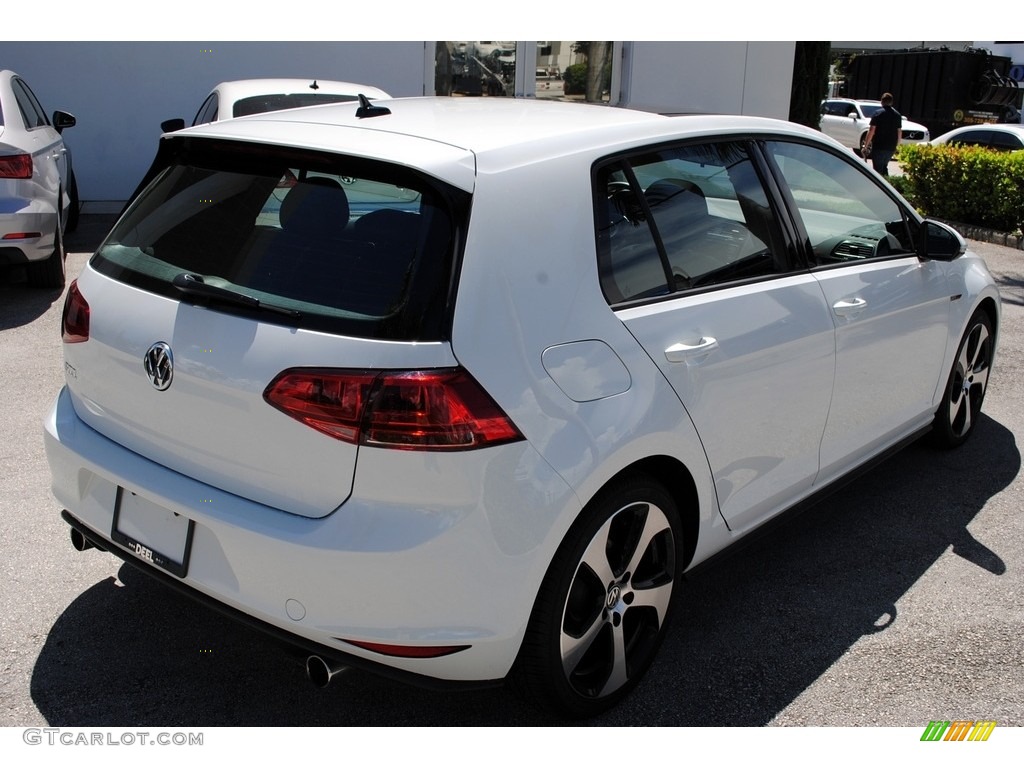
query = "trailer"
{"x": 942, "y": 89}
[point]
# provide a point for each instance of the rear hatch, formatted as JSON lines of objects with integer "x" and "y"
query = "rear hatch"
{"x": 237, "y": 264}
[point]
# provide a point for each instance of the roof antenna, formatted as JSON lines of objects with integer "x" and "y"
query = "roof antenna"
{"x": 314, "y": 86}
{"x": 366, "y": 109}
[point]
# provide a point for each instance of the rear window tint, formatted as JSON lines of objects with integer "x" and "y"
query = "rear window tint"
{"x": 325, "y": 242}
{"x": 272, "y": 102}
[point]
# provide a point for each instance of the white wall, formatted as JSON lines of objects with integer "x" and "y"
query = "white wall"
{"x": 739, "y": 78}
{"x": 121, "y": 91}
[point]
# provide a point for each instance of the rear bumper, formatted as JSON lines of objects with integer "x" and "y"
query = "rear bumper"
{"x": 18, "y": 216}
{"x": 383, "y": 568}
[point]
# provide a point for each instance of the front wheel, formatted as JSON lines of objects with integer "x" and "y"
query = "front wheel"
{"x": 603, "y": 607}
{"x": 965, "y": 391}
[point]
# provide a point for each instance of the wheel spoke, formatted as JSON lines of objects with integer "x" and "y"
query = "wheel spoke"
{"x": 575, "y": 648}
{"x": 596, "y": 556}
{"x": 620, "y": 672}
{"x": 654, "y": 523}
{"x": 655, "y": 597}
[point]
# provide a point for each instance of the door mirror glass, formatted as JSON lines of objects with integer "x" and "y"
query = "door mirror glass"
{"x": 172, "y": 125}
{"x": 940, "y": 242}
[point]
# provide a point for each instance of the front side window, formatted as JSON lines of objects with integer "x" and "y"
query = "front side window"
{"x": 846, "y": 215}
{"x": 315, "y": 241}
{"x": 684, "y": 218}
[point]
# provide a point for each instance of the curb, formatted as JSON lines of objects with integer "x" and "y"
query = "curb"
{"x": 972, "y": 232}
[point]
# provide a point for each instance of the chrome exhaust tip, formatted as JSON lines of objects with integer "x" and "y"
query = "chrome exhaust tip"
{"x": 321, "y": 671}
{"x": 79, "y": 542}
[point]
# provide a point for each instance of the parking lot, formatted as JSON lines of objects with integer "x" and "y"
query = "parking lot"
{"x": 893, "y": 603}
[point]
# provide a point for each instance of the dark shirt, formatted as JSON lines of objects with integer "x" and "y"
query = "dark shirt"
{"x": 887, "y": 124}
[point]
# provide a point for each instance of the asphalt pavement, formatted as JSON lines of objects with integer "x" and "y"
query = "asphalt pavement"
{"x": 895, "y": 602}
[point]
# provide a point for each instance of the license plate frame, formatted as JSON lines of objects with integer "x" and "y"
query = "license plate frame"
{"x": 152, "y": 533}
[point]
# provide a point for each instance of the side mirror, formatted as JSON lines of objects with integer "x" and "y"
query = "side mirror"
{"x": 62, "y": 120}
{"x": 172, "y": 125}
{"x": 852, "y": 115}
{"x": 939, "y": 242}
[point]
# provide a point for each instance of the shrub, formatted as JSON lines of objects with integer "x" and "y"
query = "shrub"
{"x": 575, "y": 79}
{"x": 971, "y": 185}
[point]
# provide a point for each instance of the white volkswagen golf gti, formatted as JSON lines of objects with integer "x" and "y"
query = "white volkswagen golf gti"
{"x": 457, "y": 390}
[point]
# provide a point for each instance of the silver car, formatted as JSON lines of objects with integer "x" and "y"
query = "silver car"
{"x": 38, "y": 194}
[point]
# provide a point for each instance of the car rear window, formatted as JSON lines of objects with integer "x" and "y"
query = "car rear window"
{"x": 271, "y": 102}
{"x": 326, "y": 242}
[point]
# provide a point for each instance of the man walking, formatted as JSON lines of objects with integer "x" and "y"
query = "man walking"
{"x": 884, "y": 136}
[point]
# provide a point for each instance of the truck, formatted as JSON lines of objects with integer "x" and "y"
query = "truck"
{"x": 943, "y": 89}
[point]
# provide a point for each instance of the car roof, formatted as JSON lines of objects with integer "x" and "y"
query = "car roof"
{"x": 479, "y": 135}
{"x": 1002, "y": 127}
{"x": 233, "y": 90}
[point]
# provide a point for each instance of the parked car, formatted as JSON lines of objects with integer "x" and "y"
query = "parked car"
{"x": 237, "y": 98}
{"x": 457, "y": 391}
{"x": 1000, "y": 136}
{"x": 847, "y": 121}
{"x": 38, "y": 192}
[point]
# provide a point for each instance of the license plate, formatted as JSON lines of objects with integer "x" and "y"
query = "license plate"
{"x": 153, "y": 533}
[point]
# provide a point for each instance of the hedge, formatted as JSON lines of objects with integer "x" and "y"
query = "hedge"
{"x": 971, "y": 185}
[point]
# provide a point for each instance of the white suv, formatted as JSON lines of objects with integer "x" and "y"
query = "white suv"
{"x": 847, "y": 121}
{"x": 458, "y": 390}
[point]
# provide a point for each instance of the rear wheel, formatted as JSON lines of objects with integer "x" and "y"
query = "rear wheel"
{"x": 73, "y": 204}
{"x": 49, "y": 273}
{"x": 603, "y": 607}
{"x": 965, "y": 391}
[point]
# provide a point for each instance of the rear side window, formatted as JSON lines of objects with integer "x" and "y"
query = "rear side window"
{"x": 684, "y": 218}
{"x": 317, "y": 241}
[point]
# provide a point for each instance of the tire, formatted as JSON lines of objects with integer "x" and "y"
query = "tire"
{"x": 603, "y": 607}
{"x": 49, "y": 273}
{"x": 965, "y": 390}
{"x": 72, "y": 223}
{"x": 860, "y": 148}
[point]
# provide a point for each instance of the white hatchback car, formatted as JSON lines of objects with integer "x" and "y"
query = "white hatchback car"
{"x": 238, "y": 98}
{"x": 38, "y": 193}
{"x": 458, "y": 390}
{"x": 847, "y": 121}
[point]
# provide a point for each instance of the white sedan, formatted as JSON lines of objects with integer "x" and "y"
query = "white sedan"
{"x": 1005, "y": 137}
{"x": 38, "y": 193}
{"x": 457, "y": 390}
{"x": 847, "y": 121}
{"x": 237, "y": 98}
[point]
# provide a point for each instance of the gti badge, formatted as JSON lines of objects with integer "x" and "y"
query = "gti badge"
{"x": 159, "y": 364}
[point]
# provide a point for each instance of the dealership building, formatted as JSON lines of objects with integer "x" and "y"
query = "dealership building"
{"x": 120, "y": 92}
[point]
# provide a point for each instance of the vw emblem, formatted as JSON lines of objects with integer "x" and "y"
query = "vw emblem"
{"x": 159, "y": 364}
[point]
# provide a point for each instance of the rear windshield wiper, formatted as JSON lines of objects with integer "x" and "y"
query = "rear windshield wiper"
{"x": 195, "y": 285}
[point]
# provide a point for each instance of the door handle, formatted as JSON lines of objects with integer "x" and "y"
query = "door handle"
{"x": 849, "y": 307}
{"x": 680, "y": 353}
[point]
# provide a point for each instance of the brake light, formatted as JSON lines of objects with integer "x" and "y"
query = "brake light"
{"x": 444, "y": 409}
{"x": 74, "y": 323}
{"x": 16, "y": 167}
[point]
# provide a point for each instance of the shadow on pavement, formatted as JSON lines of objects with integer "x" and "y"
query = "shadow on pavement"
{"x": 21, "y": 304}
{"x": 750, "y": 634}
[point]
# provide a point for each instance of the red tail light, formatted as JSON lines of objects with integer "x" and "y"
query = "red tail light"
{"x": 74, "y": 324}
{"x": 16, "y": 167}
{"x": 430, "y": 410}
